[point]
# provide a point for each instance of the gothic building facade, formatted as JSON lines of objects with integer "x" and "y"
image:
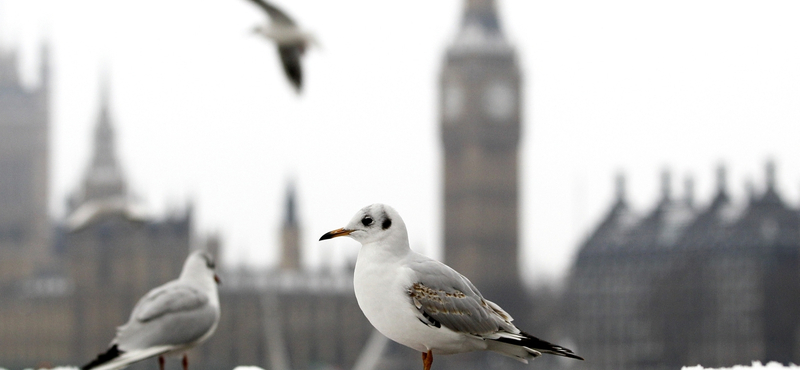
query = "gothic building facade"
{"x": 108, "y": 252}
{"x": 684, "y": 285}
{"x": 110, "y": 249}
{"x": 69, "y": 292}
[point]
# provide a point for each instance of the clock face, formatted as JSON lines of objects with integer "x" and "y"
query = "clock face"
{"x": 499, "y": 101}
{"x": 453, "y": 102}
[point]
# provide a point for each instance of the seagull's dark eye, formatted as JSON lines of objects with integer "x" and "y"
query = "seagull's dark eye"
{"x": 209, "y": 261}
{"x": 366, "y": 221}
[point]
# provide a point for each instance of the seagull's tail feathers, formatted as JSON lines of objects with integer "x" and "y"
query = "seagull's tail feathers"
{"x": 115, "y": 358}
{"x": 524, "y": 347}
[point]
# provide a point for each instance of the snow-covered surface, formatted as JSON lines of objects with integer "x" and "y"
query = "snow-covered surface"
{"x": 755, "y": 365}
{"x": 76, "y": 368}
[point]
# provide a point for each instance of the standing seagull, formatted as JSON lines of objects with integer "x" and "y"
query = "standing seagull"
{"x": 292, "y": 42}
{"x": 169, "y": 319}
{"x": 424, "y": 304}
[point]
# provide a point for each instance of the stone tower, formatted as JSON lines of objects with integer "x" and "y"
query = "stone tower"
{"x": 24, "y": 175}
{"x": 480, "y": 125}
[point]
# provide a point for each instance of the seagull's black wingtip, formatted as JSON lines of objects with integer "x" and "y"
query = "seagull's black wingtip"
{"x": 102, "y": 358}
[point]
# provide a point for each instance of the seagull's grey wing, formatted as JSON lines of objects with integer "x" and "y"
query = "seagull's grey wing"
{"x": 445, "y": 297}
{"x": 167, "y": 299}
{"x": 173, "y": 314}
{"x": 290, "y": 58}
{"x": 275, "y": 14}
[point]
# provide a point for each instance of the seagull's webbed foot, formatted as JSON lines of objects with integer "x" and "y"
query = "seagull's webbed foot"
{"x": 427, "y": 360}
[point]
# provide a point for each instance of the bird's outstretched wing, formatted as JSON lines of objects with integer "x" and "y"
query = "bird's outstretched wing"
{"x": 290, "y": 59}
{"x": 274, "y": 13}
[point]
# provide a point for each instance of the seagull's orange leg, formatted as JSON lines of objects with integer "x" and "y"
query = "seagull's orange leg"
{"x": 161, "y": 362}
{"x": 427, "y": 360}
{"x": 185, "y": 362}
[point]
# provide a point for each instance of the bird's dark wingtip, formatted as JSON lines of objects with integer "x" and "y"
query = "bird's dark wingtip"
{"x": 539, "y": 345}
{"x": 104, "y": 357}
{"x": 572, "y": 355}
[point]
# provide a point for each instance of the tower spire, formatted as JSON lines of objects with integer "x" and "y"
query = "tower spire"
{"x": 619, "y": 183}
{"x": 290, "y": 255}
{"x": 480, "y": 29}
{"x": 722, "y": 179}
{"x": 722, "y": 186}
{"x": 688, "y": 190}
{"x": 481, "y": 13}
{"x": 666, "y": 188}
{"x": 104, "y": 178}
{"x": 769, "y": 169}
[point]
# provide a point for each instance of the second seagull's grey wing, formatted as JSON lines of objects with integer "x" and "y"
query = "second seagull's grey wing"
{"x": 445, "y": 297}
{"x": 277, "y": 15}
{"x": 174, "y": 314}
{"x": 167, "y": 299}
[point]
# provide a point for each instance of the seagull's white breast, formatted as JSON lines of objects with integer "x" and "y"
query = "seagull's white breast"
{"x": 381, "y": 283}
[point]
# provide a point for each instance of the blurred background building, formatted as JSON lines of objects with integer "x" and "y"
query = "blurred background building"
{"x": 24, "y": 169}
{"x": 67, "y": 284}
{"x": 716, "y": 285}
{"x": 685, "y": 284}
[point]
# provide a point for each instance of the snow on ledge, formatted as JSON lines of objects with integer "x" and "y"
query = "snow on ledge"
{"x": 77, "y": 368}
{"x": 755, "y": 365}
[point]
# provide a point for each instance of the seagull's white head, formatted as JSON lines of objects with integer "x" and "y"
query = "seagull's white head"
{"x": 200, "y": 266}
{"x": 374, "y": 223}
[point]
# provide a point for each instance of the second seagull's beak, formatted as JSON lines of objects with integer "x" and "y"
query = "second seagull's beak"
{"x": 335, "y": 233}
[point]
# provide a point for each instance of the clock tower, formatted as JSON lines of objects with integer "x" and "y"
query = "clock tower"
{"x": 480, "y": 127}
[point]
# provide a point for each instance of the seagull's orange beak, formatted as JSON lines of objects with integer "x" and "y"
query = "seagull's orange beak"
{"x": 335, "y": 233}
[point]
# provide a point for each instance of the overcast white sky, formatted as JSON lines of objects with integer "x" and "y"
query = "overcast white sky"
{"x": 203, "y": 112}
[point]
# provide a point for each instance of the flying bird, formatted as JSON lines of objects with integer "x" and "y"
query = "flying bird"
{"x": 424, "y": 304}
{"x": 169, "y": 319}
{"x": 291, "y": 40}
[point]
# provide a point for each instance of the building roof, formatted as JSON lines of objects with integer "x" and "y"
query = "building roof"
{"x": 676, "y": 224}
{"x": 614, "y": 231}
{"x": 767, "y": 220}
